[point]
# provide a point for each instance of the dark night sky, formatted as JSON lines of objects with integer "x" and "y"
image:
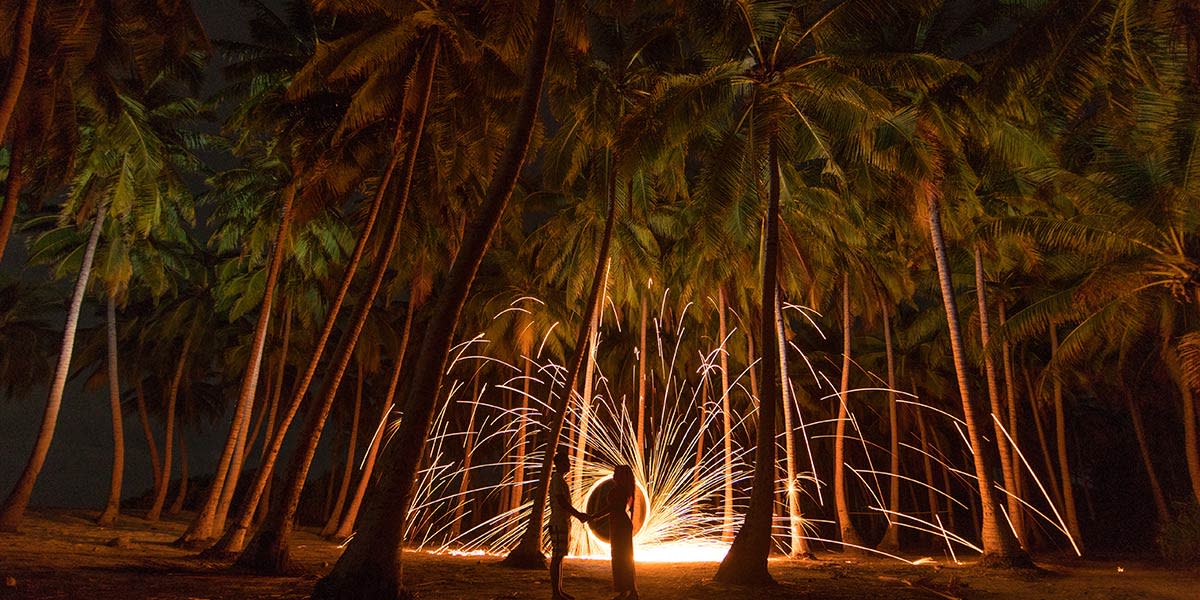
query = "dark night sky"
{"x": 77, "y": 469}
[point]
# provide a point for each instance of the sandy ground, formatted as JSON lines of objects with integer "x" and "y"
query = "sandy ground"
{"x": 62, "y": 554}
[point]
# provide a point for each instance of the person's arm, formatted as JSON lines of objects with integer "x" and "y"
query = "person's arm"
{"x": 565, "y": 502}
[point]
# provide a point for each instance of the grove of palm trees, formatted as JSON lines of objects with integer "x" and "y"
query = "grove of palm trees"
{"x": 303, "y": 297}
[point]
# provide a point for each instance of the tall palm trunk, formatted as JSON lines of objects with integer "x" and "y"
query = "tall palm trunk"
{"x": 518, "y": 487}
{"x": 148, "y": 433}
{"x": 1060, "y": 444}
{"x": 726, "y": 416}
{"x": 270, "y": 548}
{"x": 1047, "y": 456}
{"x": 851, "y": 542}
{"x": 234, "y": 472}
{"x": 18, "y": 67}
{"x": 184, "y": 475}
{"x": 528, "y": 553}
{"x": 927, "y": 463}
{"x": 112, "y": 509}
{"x": 1010, "y": 396}
{"x": 347, "y": 525}
{"x": 14, "y": 505}
{"x": 1000, "y": 546}
{"x": 798, "y": 548}
{"x": 160, "y": 495}
{"x": 335, "y": 515}
{"x": 993, "y": 387}
{"x": 891, "y": 538}
{"x": 643, "y": 359}
{"x": 201, "y": 529}
{"x": 1139, "y": 431}
{"x": 589, "y": 376}
{"x": 265, "y": 458}
{"x": 464, "y": 485}
{"x": 746, "y": 561}
{"x": 12, "y": 193}
{"x": 370, "y": 566}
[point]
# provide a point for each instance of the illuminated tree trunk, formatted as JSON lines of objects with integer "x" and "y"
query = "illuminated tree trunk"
{"x": 18, "y": 67}
{"x": 335, "y": 515}
{"x": 891, "y": 538}
{"x": 112, "y": 509}
{"x": 1010, "y": 391}
{"x": 202, "y": 527}
{"x": 347, "y": 525}
{"x": 1000, "y": 546}
{"x": 746, "y": 561}
{"x": 370, "y": 566}
{"x": 726, "y": 414}
{"x": 1060, "y": 438}
{"x": 234, "y": 473}
{"x": 464, "y": 485}
{"x": 148, "y": 433}
{"x": 851, "y": 542}
{"x": 585, "y": 405}
{"x": 997, "y": 417}
{"x": 927, "y": 462}
{"x": 798, "y": 547}
{"x": 522, "y": 435}
{"x": 160, "y": 495}
{"x": 643, "y": 359}
{"x": 13, "y": 510}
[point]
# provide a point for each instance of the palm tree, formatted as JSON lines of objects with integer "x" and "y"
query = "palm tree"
{"x": 369, "y": 566}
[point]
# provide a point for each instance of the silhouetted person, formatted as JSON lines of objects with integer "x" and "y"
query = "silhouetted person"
{"x": 620, "y": 527}
{"x": 561, "y": 512}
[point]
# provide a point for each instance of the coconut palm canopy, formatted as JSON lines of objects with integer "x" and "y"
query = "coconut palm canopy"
{"x": 883, "y": 279}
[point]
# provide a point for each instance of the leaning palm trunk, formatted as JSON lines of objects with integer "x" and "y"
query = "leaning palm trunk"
{"x": 184, "y": 476}
{"x": 1010, "y": 396}
{"x": 891, "y": 538}
{"x": 160, "y": 496}
{"x": 518, "y": 486}
{"x": 726, "y": 415}
{"x": 1060, "y": 444}
{"x": 18, "y": 67}
{"x": 234, "y": 472}
{"x": 201, "y": 528}
{"x": 1000, "y": 546}
{"x": 989, "y": 367}
{"x": 13, "y": 510}
{"x": 851, "y": 542}
{"x": 528, "y": 553}
{"x": 270, "y": 549}
{"x": 642, "y": 360}
{"x": 1139, "y": 430}
{"x": 799, "y": 544}
{"x": 148, "y": 433}
{"x": 464, "y": 485}
{"x": 108, "y": 518}
{"x": 351, "y": 449}
{"x": 746, "y": 561}
{"x": 12, "y": 193}
{"x": 370, "y": 566}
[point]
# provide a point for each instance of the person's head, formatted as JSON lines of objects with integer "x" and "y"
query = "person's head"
{"x": 562, "y": 461}
{"x": 623, "y": 479}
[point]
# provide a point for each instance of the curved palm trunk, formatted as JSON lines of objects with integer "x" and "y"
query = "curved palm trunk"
{"x": 746, "y": 561}
{"x": 269, "y": 550}
{"x": 234, "y": 538}
{"x": 851, "y": 542}
{"x": 112, "y": 509}
{"x": 1000, "y": 546}
{"x": 18, "y": 499}
{"x": 148, "y": 433}
{"x": 351, "y": 449}
{"x": 18, "y": 67}
{"x": 201, "y": 528}
{"x": 347, "y": 526}
{"x": 184, "y": 475}
{"x": 1139, "y": 430}
{"x": 12, "y": 193}
{"x": 234, "y": 472}
{"x": 726, "y": 415}
{"x": 643, "y": 358}
{"x": 370, "y": 566}
{"x": 160, "y": 496}
{"x": 1010, "y": 396}
{"x": 993, "y": 387}
{"x": 891, "y": 538}
{"x": 1047, "y": 457}
{"x": 585, "y": 404}
{"x": 528, "y": 553}
{"x": 798, "y": 547}
{"x": 464, "y": 486}
{"x": 1060, "y": 444}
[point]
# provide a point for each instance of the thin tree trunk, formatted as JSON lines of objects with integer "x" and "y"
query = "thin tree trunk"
{"x": 1000, "y": 546}
{"x": 1010, "y": 391}
{"x": 464, "y": 485}
{"x": 370, "y": 566}
{"x": 930, "y": 489}
{"x": 726, "y": 417}
{"x": 269, "y": 550}
{"x": 643, "y": 359}
{"x": 234, "y": 472}
{"x": 993, "y": 387}
{"x": 585, "y": 406}
{"x": 160, "y": 496}
{"x": 112, "y": 509}
{"x": 851, "y": 542}
{"x": 746, "y": 561}
{"x": 1047, "y": 456}
{"x": 14, "y": 505}
{"x": 18, "y": 67}
{"x": 1191, "y": 445}
{"x": 518, "y": 495}
{"x": 798, "y": 546}
{"x": 233, "y": 540}
{"x": 1139, "y": 431}
{"x": 148, "y": 433}
{"x": 12, "y": 192}
{"x": 202, "y": 527}
{"x": 347, "y": 525}
{"x": 351, "y": 450}
{"x": 891, "y": 537}
{"x": 184, "y": 476}
{"x": 1060, "y": 438}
